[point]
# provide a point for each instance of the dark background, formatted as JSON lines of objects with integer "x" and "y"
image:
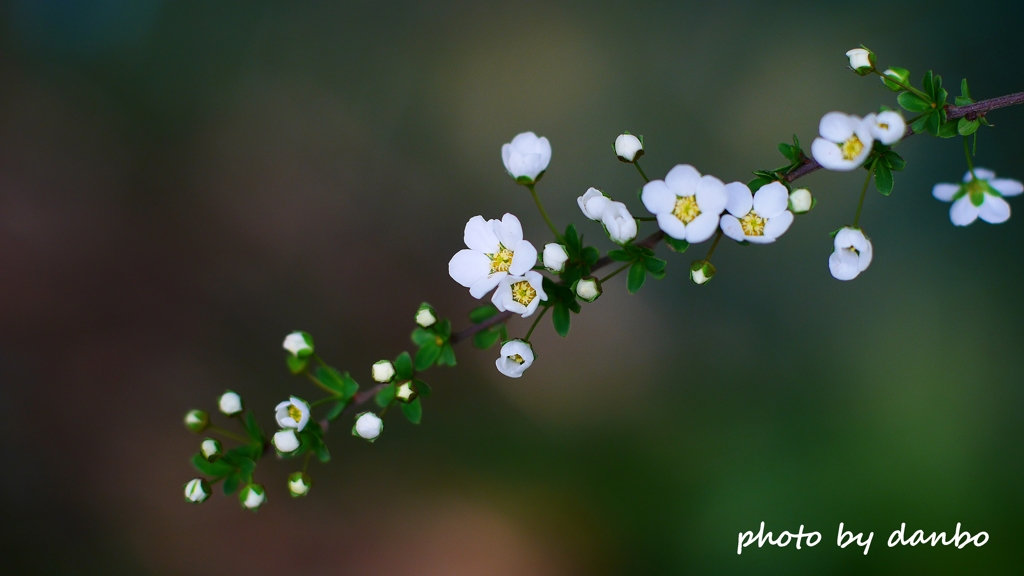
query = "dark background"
{"x": 183, "y": 183}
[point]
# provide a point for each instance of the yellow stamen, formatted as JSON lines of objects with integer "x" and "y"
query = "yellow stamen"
{"x": 501, "y": 261}
{"x": 523, "y": 293}
{"x": 883, "y": 126}
{"x": 295, "y": 413}
{"x": 517, "y": 359}
{"x": 752, "y": 224}
{"x": 852, "y": 147}
{"x": 686, "y": 209}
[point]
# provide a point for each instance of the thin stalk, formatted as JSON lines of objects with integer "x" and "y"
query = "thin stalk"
{"x": 232, "y": 435}
{"x": 970, "y": 163}
{"x": 535, "y": 322}
{"x": 640, "y": 170}
{"x": 714, "y": 245}
{"x": 924, "y": 96}
{"x": 864, "y": 192}
{"x": 536, "y": 200}
{"x": 317, "y": 381}
{"x": 610, "y": 276}
{"x": 324, "y": 401}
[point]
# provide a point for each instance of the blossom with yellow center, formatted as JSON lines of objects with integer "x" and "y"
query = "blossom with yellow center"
{"x": 495, "y": 249}
{"x": 756, "y": 218}
{"x": 852, "y": 148}
{"x": 292, "y": 413}
{"x": 686, "y": 209}
{"x": 501, "y": 261}
{"x": 981, "y": 195}
{"x": 521, "y": 294}
{"x": 887, "y": 127}
{"x": 687, "y": 205}
{"x": 852, "y": 255}
{"x": 845, "y": 141}
{"x": 515, "y": 357}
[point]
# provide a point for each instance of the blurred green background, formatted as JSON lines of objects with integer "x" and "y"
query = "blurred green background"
{"x": 183, "y": 183}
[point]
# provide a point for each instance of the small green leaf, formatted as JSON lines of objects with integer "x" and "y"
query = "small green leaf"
{"x": 413, "y": 411}
{"x": 758, "y": 182}
{"x": 560, "y": 318}
{"x": 322, "y": 454}
{"x": 790, "y": 152}
{"x": 913, "y": 102}
{"x": 296, "y": 365}
{"x": 967, "y": 127}
{"x": 231, "y": 483}
{"x": 426, "y": 356}
{"x": 385, "y": 396}
{"x": 214, "y": 469}
{"x": 927, "y": 84}
{"x": 637, "y": 277}
{"x": 933, "y": 124}
{"x": 590, "y": 255}
{"x": 481, "y": 313}
{"x": 894, "y": 160}
{"x": 421, "y": 336}
{"x": 676, "y": 245}
{"x": 654, "y": 264}
{"x": 252, "y": 428}
{"x": 572, "y": 240}
{"x": 422, "y": 388}
{"x": 331, "y": 378}
{"x": 403, "y": 366}
{"x": 883, "y": 179}
{"x": 447, "y": 357}
{"x": 486, "y": 338}
{"x": 336, "y": 411}
{"x": 918, "y": 126}
{"x": 350, "y": 386}
{"x": 948, "y": 129}
{"x": 620, "y": 255}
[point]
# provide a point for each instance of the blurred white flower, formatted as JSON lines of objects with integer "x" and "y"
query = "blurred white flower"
{"x": 852, "y": 254}
{"x": 230, "y": 403}
{"x": 495, "y": 249}
{"x": 592, "y": 203}
{"x": 758, "y": 218}
{"x": 292, "y": 413}
{"x": 845, "y": 142}
{"x": 619, "y": 223}
{"x": 299, "y": 344}
{"x": 886, "y": 127}
{"x": 368, "y": 426}
{"x": 520, "y": 294}
{"x": 526, "y": 157}
{"x": 687, "y": 205}
{"x": 197, "y": 490}
{"x": 252, "y": 496}
{"x": 981, "y": 198}
{"x": 555, "y": 257}
{"x": 286, "y": 441}
{"x": 383, "y": 371}
{"x": 800, "y": 201}
{"x": 628, "y": 147}
{"x": 299, "y": 484}
{"x": 515, "y": 357}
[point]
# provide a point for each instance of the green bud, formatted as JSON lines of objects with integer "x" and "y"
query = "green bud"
{"x": 197, "y": 491}
{"x": 252, "y": 496}
{"x": 211, "y": 449}
{"x": 197, "y": 420}
{"x": 701, "y": 271}
{"x": 901, "y": 75}
{"x": 426, "y": 316}
{"x": 587, "y": 288}
{"x": 299, "y": 484}
{"x": 406, "y": 393}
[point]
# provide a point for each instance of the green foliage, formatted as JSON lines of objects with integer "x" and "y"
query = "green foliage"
{"x": 386, "y": 395}
{"x": 253, "y": 430}
{"x": 403, "y": 366}
{"x": 487, "y": 338}
{"x": 637, "y": 277}
{"x": 413, "y": 411}
{"x": 422, "y": 388}
{"x": 564, "y": 301}
{"x": 676, "y": 245}
{"x": 883, "y": 178}
{"x": 561, "y": 319}
{"x": 296, "y": 365}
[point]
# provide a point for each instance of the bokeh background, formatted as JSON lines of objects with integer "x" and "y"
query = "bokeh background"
{"x": 183, "y": 183}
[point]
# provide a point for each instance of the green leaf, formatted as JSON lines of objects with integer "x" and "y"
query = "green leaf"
{"x": 425, "y": 357}
{"x": 758, "y": 182}
{"x": 322, "y": 453}
{"x": 938, "y": 92}
{"x": 590, "y": 255}
{"x": 620, "y": 255}
{"x": 791, "y": 153}
{"x": 933, "y": 124}
{"x": 403, "y": 366}
{"x": 964, "y": 90}
{"x": 913, "y": 102}
{"x": 654, "y": 264}
{"x": 350, "y": 386}
{"x": 676, "y": 245}
{"x": 331, "y": 378}
{"x": 637, "y": 277}
{"x": 422, "y": 388}
{"x": 386, "y": 395}
{"x": 967, "y": 127}
{"x": 918, "y": 126}
{"x": 231, "y": 483}
{"x": 214, "y": 469}
{"x": 336, "y": 410}
{"x": 413, "y": 411}
{"x": 296, "y": 365}
{"x": 927, "y": 84}
{"x": 481, "y": 313}
{"x": 572, "y": 240}
{"x": 560, "y": 318}
{"x": 948, "y": 129}
{"x": 447, "y": 355}
{"x": 894, "y": 160}
{"x": 486, "y": 338}
{"x": 252, "y": 428}
{"x": 883, "y": 179}
{"x": 421, "y": 336}
{"x": 444, "y": 328}
{"x": 657, "y": 275}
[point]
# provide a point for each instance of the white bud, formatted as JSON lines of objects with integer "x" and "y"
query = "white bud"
{"x": 197, "y": 490}
{"x": 383, "y": 371}
{"x": 800, "y": 201}
{"x": 425, "y": 316}
{"x": 515, "y": 357}
{"x": 286, "y": 441}
{"x": 252, "y": 496}
{"x": 628, "y": 147}
{"x": 405, "y": 393}
{"x": 555, "y": 257}
{"x": 368, "y": 426}
{"x": 299, "y": 484}
{"x": 299, "y": 344}
{"x": 230, "y": 403}
{"x": 701, "y": 271}
{"x": 211, "y": 449}
{"x": 588, "y": 289}
{"x": 861, "y": 60}
{"x": 197, "y": 420}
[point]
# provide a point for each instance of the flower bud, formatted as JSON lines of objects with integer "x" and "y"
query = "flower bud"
{"x": 515, "y": 357}
{"x": 862, "y": 60}
{"x": 197, "y": 490}
{"x": 230, "y": 403}
{"x": 197, "y": 420}
{"x": 628, "y": 147}
{"x": 587, "y": 288}
{"x": 252, "y": 496}
{"x": 383, "y": 371}
{"x": 901, "y": 75}
{"x": 299, "y": 484}
{"x": 406, "y": 393}
{"x": 368, "y": 426}
{"x": 286, "y": 441}
{"x": 211, "y": 449}
{"x": 299, "y": 344}
{"x": 554, "y": 258}
{"x": 701, "y": 271}
{"x": 801, "y": 201}
{"x": 425, "y": 316}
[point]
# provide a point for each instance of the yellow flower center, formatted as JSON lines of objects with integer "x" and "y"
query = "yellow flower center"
{"x": 517, "y": 359}
{"x": 295, "y": 413}
{"x": 523, "y": 293}
{"x": 852, "y": 147}
{"x": 883, "y": 126}
{"x": 686, "y": 209}
{"x": 501, "y": 261}
{"x": 753, "y": 225}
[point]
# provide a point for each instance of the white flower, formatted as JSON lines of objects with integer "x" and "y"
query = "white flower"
{"x": 425, "y": 316}
{"x": 516, "y": 356}
{"x": 286, "y": 441}
{"x": 587, "y": 288}
{"x": 230, "y": 403}
{"x": 252, "y": 496}
{"x": 701, "y": 271}
{"x": 628, "y": 147}
{"x": 800, "y": 201}
{"x": 197, "y": 420}
{"x": 555, "y": 257}
{"x": 619, "y": 223}
{"x": 299, "y": 344}
{"x": 292, "y": 413}
{"x": 299, "y": 484}
{"x": 981, "y": 198}
{"x": 852, "y": 254}
{"x": 686, "y": 204}
{"x": 368, "y": 426}
{"x": 495, "y": 249}
{"x": 211, "y": 449}
{"x": 526, "y": 157}
{"x": 845, "y": 142}
{"x": 860, "y": 59}
{"x": 886, "y": 127}
{"x": 520, "y": 294}
{"x": 197, "y": 490}
{"x": 758, "y": 218}
{"x": 592, "y": 203}
{"x": 383, "y": 371}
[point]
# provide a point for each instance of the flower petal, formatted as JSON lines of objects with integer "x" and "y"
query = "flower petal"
{"x": 486, "y": 284}
{"x": 508, "y": 230}
{"x": 830, "y": 156}
{"x": 544, "y": 149}
{"x": 994, "y": 210}
{"x": 962, "y": 212}
{"x": 682, "y": 180}
{"x": 672, "y": 226}
{"x": 739, "y": 199}
{"x": 657, "y": 198}
{"x": 945, "y": 192}
{"x": 502, "y": 295}
{"x": 700, "y": 228}
{"x": 731, "y": 227}
{"x": 843, "y": 265}
{"x": 1006, "y": 186}
{"x": 506, "y": 156}
{"x": 524, "y": 257}
{"x": 711, "y": 196}
{"x": 981, "y": 173}
{"x": 467, "y": 267}
{"x": 771, "y": 200}
{"x": 836, "y": 127}
{"x": 777, "y": 225}
{"x": 479, "y": 235}
{"x": 525, "y": 143}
